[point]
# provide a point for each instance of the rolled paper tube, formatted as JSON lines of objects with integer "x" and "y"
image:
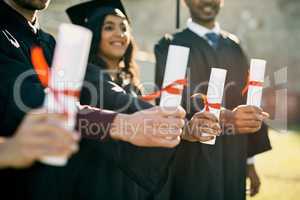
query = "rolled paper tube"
{"x": 215, "y": 95}
{"x": 66, "y": 76}
{"x": 255, "y": 82}
{"x": 176, "y": 66}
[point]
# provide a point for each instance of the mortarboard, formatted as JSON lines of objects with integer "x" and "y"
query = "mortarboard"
{"x": 81, "y": 14}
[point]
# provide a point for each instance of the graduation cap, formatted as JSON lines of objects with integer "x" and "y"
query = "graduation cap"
{"x": 82, "y": 14}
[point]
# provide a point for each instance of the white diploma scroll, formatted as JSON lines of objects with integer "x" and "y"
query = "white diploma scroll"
{"x": 256, "y": 77}
{"x": 67, "y": 74}
{"x": 176, "y": 66}
{"x": 215, "y": 94}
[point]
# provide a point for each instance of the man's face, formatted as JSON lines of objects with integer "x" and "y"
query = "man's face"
{"x": 204, "y": 10}
{"x": 33, "y": 4}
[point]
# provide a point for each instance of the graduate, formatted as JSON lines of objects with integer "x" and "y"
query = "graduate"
{"x": 46, "y": 182}
{"x": 203, "y": 171}
{"x": 112, "y": 61}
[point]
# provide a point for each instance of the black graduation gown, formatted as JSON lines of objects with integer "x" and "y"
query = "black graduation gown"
{"x": 16, "y": 38}
{"x": 202, "y": 171}
{"x": 40, "y": 181}
{"x": 153, "y": 162}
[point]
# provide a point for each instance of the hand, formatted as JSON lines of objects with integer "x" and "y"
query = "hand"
{"x": 38, "y": 136}
{"x": 202, "y": 122}
{"x": 244, "y": 119}
{"x": 155, "y": 127}
{"x": 254, "y": 180}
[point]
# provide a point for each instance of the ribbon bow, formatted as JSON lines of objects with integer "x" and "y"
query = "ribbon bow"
{"x": 251, "y": 83}
{"x": 207, "y": 105}
{"x": 171, "y": 89}
{"x": 42, "y": 69}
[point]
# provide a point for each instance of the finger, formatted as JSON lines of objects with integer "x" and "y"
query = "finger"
{"x": 265, "y": 115}
{"x": 47, "y": 141}
{"x": 248, "y": 116}
{"x": 171, "y": 138}
{"x": 53, "y": 136}
{"x": 59, "y": 151}
{"x": 209, "y": 131}
{"x": 47, "y": 129}
{"x": 206, "y": 115}
{"x": 178, "y": 112}
{"x": 204, "y": 138}
{"x": 198, "y": 125}
{"x": 248, "y": 124}
{"x": 206, "y": 123}
{"x": 167, "y": 133}
{"x": 254, "y": 189}
{"x": 41, "y": 115}
{"x": 47, "y": 150}
{"x": 38, "y": 151}
{"x": 158, "y": 142}
{"x": 249, "y": 109}
{"x": 169, "y": 122}
{"x": 247, "y": 130}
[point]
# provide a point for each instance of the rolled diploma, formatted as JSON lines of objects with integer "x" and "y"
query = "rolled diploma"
{"x": 67, "y": 73}
{"x": 215, "y": 93}
{"x": 176, "y": 66}
{"x": 257, "y": 73}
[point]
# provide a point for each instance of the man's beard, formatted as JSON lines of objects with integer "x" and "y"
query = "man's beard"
{"x": 32, "y": 4}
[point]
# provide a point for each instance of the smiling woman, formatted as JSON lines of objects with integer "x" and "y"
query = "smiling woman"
{"x": 113, "y": 47}
{"x": 116, "y": 50}
{"x": 112, "y": 55}
{"x": 115, "y": 40}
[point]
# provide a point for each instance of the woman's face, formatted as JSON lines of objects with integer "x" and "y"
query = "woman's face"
{"x": 115, "y": 37}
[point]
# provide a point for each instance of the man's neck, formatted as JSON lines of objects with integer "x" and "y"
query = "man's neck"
{"x": 30, "y": 15}
{"x": 206, "y": 24}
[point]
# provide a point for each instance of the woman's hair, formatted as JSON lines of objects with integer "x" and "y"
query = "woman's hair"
{"x": 130, "y": 68}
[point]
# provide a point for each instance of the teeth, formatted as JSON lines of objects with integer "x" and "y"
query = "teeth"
{"x": 119, "y": 44}
{"x": 208, "y": 9}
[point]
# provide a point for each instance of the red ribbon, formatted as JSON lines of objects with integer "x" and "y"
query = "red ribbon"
{"x": 208, "y": 105}
{"x": 42, "y": 69}
{"x": 171, "y": 89}
{"x": 251, "y": 83}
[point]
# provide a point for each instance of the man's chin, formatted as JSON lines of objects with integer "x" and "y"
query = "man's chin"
{"x": 208, "y": 18}
{"x": 32, "y": 5}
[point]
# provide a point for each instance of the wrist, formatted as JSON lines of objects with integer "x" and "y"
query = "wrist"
{"x": 225, "y": 116}
{"x": 186, "y": 131}
{"x": 227, "y": 122}
{"x": 117, "y": 130}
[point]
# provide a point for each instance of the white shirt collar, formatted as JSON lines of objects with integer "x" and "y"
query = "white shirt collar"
{"x": 201, "y": 30}
{"x": 35, "y": 26}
